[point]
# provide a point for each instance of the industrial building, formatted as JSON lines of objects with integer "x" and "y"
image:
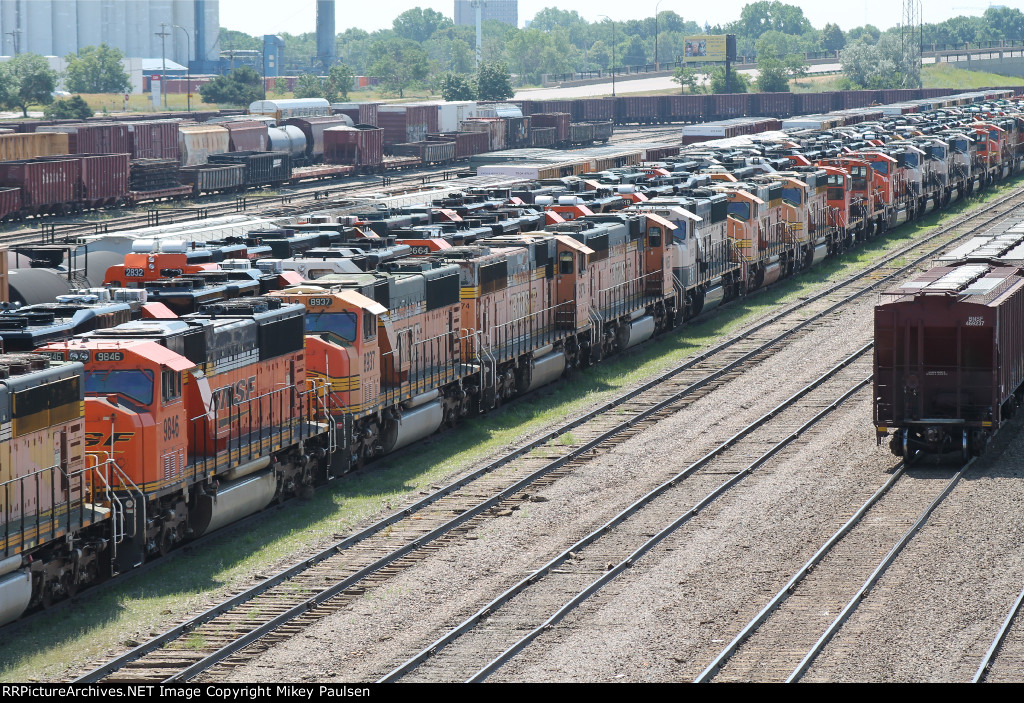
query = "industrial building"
{"x": 506, "y": 11}
{"x": 62, "y": 27}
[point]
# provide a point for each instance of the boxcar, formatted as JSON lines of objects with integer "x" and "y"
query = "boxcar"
{"x": 949, "y": 358}
{"x": 362, "y": 147}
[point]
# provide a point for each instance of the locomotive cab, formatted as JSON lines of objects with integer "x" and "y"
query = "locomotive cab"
{"x": 346, "y": 332}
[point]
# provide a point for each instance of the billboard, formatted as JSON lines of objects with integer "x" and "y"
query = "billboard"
{"x": 707, "y": 47}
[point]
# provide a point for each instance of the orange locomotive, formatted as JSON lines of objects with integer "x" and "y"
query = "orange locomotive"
{"x": 423, "y": 342}
{"x": 193, "y": 423}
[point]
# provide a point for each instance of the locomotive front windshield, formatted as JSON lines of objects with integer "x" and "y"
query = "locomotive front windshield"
{"x": 793, "y": 196}
{"x": 136, "y": 384}
{"x": 342, "y": 324}
{"x": 740, "y": 210}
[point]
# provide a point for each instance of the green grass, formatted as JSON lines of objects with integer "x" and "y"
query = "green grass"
{"x": 57, "y": 645}
{"x": 944, "y": 75}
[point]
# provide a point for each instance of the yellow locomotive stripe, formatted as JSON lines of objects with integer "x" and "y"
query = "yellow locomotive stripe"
{"x": 338, "y": 384}
{"x": 469, "y": 292}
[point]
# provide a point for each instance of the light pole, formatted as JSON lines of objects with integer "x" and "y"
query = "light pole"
{"x": 657, "y": 66}
{"x": 188, "y": 65}
{"x": 613, "y": 52}
{"x": 163, "y": 34}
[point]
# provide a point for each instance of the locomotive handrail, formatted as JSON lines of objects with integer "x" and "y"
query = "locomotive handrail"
{"x": 112, "y": 500}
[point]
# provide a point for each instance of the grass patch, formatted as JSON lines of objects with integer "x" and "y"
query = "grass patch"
{"x": 58, "y": 644}
{"x": 944, "y": 75}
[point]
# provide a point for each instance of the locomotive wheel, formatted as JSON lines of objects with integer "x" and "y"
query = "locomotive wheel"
{"x": 69, "y": 584}
{"x": 165, "y": 541}
{"x": 46, "y": 597}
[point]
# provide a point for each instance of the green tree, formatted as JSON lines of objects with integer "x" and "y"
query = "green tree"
{"x": 73, "y": 108}
{"x": 310, "y": 86}
{"x": 869, "y": 33}
{"x": 832, "y": 38}
{"x": 686, "y": 77}
{"x": 739, "y": 84}
{"x": 494, "y": 82}
{"x": 341, "y": 77}
{"x": 29, "y": 81}
{"x": 457, "y": 87}
{"x": 399, "y": 64}
{"x": 419, "y": 25}
{"x": 97, "y": 69}
{"x": 887, "y": 64}
{"x": 232, "y": 39}
{"x": 242, "y": 87}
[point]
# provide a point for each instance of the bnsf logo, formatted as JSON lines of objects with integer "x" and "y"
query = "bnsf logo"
{"x": 234, "y": 394}
{"x": 320, "y": 302}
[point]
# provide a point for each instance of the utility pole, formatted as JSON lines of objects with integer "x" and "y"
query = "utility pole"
{"x": 13, "y": 34}
{"x": 163, "y": 34}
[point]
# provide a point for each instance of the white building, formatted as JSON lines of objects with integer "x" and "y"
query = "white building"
{"x": 61, "y": 27}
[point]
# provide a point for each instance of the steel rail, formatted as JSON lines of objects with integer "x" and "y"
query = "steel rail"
{"x": 289, "y": 572}
{"x": 862, "y": 593}
{"x": 990, "y": 656}
{"x": 787, "y": 590}
{"x": 594, "y": 536}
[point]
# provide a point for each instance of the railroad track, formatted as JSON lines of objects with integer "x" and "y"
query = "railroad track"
{"x": 473, "y": 649}
{"x": 788, "y": 634}
{"x": 298, "y": 197}
{"x": 1004, "y": 659}
{"x": 297, "y": 200}
{"x": 295, "y": 597}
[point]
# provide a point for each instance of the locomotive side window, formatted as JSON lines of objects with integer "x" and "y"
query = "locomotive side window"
{"x": 565, "y": 263}
{"x": 654, "y": 237}
{"x": 170, "y": 386}
{"x": 369, "y": 326}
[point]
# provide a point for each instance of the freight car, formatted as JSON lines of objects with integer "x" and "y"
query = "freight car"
{"x": 281, "y": 110}
{"x": 949, "y": 358}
